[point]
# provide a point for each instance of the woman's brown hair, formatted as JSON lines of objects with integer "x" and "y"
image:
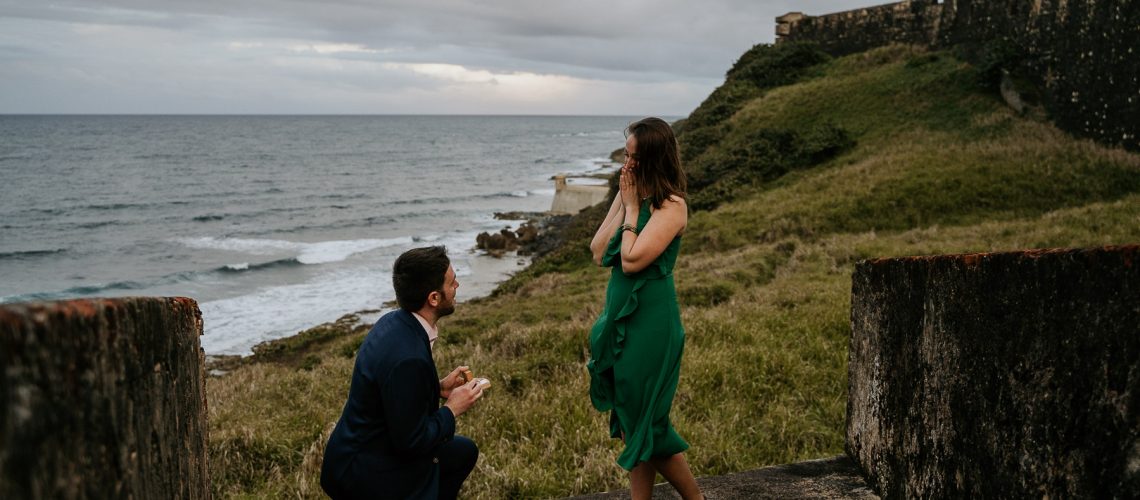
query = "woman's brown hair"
{"x": 658, "y": 173}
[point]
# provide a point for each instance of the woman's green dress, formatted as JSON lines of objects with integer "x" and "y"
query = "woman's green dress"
{"x": 635, "y": 349}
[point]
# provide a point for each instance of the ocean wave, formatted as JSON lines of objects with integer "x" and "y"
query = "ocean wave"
{"x": 156, "y": 156}
{"x": 21, "y": 254}
{"x": 323, "y": 252}
{"x": 234, "y": 325}
{"x": 114, "y": 206}
{"x": 96, "y": 224}
{"x": 375, "y": 220}
{"x": 453, "y": 199}
{"x": 246, "y": 266}
{"x": 45, "y": 211}
{"x": 339, "y": 196}
{"x": 599, "y": 133}
{"x": 208, "y": 218}
{"x": 78, "y": 291}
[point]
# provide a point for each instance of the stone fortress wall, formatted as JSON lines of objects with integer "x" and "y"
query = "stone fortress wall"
{"x": 1082, "y": 56}
{"x": 1003, "y": 375}
{"x": 103, "y": 398}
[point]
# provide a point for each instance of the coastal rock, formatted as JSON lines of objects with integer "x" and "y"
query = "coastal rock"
{"x": 521, "y": 240}
{"x": 497, "y": 244}
{"x": 1003, "y": 375}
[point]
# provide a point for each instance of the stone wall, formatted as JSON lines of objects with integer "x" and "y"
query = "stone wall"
{"x": 102, "y": 398}
{"x": 572, "y": 198}
{"x": 848, "y": 32}
{"x": 1007, "y": 375}
{"x": 1081, "y": 54}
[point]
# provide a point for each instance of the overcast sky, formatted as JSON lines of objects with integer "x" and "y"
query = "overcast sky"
{"x": 377, "y": 56}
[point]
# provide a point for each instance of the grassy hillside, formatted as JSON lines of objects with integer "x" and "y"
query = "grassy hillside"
{"x": 796, "y": 176}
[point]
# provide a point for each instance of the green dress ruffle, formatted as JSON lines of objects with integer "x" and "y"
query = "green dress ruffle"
{"x": 635, "y": 349}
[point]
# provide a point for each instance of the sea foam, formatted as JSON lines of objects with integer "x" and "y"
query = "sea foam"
{"x": 322, "y": 252}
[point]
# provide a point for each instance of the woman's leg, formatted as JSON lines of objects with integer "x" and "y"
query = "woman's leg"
{"x": 641, "y": 481}
{"x": 676, "y": 470}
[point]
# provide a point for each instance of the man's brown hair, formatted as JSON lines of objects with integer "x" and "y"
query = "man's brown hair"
{"x": 417, "y": 273}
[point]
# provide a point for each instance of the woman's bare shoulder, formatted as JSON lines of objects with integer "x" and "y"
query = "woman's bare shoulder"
{"x": 676, "y": 210}
{"x": 676, "y": 202}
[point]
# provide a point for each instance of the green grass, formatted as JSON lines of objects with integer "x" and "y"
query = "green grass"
{"x": 937, "y": 166}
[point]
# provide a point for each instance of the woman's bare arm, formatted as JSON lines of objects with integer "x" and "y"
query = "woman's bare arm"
{"x": 641, "y": 249}
{"x": 606, "y": 230}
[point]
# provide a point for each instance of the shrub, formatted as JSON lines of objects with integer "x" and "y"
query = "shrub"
{"x": 705, "y": 294}
{"x": 767, "y": 66}
{"x": 763, "y": 155}
{"x": 761, "y": 68}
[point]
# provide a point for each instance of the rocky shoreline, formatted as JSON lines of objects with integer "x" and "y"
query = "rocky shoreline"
{"x": 537, "y": 235}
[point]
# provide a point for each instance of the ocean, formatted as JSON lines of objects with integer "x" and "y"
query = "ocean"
{"x": 272, "y": 223}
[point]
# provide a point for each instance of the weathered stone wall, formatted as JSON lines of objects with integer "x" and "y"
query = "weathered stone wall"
{"x": 572, "y": 198}
{"x": 848, "y": 32}
{"x": 1008, "y": 375}
{"x": 1082, "y": 54}
{"x": 102, "y": 398}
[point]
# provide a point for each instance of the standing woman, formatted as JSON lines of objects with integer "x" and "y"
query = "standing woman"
{"x": 637, "y": 342}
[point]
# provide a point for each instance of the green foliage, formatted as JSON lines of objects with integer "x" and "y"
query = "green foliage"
{"x": 897, "y": 152}
{"x": 762, "y": 155}
{"x": 767, "y": 66}
{"x": 761, "y": 68}
{"x": 310, "y": 361}
{"x": 706, "y": 294}
{"x": 297, "y": 350}
{"x": 349, "y": 349}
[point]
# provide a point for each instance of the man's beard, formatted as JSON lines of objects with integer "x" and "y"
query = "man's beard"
{"x": 444, "y": 310}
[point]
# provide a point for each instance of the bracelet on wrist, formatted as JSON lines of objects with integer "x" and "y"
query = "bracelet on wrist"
{"x": 628, "y": 227}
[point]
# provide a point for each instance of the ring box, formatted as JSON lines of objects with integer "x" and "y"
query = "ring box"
{"x": 466, "y": 376}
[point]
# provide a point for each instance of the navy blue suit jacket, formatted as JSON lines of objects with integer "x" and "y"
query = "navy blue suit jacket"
{"x": 383, "y": 445}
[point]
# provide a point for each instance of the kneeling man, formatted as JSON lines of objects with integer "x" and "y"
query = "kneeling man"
{"x": 393, "y": 439}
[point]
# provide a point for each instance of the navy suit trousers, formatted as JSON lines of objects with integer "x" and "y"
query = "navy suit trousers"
{"x": 456, "y": 461}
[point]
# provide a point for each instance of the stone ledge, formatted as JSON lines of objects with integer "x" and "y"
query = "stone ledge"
{"x": 835, "y": 477}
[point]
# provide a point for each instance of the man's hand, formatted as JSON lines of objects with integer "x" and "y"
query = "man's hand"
{"x": 451, "y": 381}
{"x": 463, "y": 397}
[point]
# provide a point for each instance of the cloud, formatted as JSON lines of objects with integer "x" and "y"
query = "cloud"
{"x": 258, "y": 56}
{"x": 336, "y": 48}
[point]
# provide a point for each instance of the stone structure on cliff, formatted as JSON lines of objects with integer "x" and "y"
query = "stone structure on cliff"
{"x": 102, "y": 398}
{"x": 1081, "y": 53}
{"x": 1009, "y": 375}
{"x": 571, "y": 198}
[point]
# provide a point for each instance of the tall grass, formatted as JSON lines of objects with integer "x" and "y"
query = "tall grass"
{"x": 937, "y": 166}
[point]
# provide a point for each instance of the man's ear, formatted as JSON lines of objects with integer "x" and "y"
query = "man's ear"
{"x": 434, "y": 299}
